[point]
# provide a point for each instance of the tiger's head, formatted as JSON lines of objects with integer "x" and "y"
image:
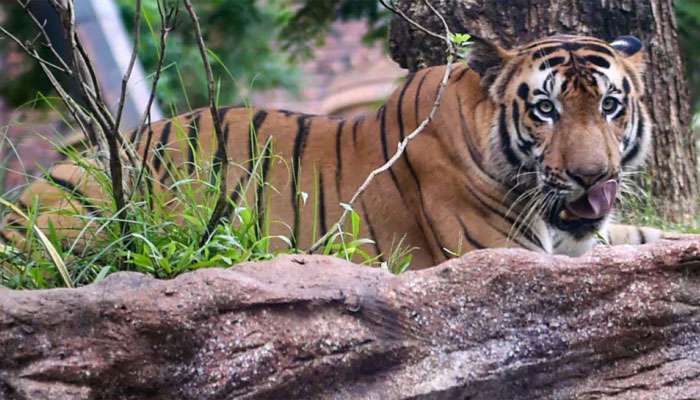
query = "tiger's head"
{"x": 569, "y": 124}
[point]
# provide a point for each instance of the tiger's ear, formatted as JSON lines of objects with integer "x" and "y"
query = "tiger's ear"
{"x": 486, "y": 59}
{"x": 630, "y": 48}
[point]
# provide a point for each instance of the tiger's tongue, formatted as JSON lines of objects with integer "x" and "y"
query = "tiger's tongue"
{"x": 596, "y": 203}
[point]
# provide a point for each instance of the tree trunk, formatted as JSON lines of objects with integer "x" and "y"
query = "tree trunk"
{"x": 620, "y": 323}
{"x": 672, "y": 164}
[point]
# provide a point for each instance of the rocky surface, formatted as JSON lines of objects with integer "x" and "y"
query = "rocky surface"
{"x": 621, "y": 323}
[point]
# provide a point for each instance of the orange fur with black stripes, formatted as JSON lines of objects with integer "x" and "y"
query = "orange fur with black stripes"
{"x": 527, "y": 145}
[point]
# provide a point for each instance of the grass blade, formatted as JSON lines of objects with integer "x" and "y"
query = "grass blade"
{"x": 48, "y": 246}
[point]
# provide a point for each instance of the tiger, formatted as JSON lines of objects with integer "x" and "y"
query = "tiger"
{"x": 528, "y": 149}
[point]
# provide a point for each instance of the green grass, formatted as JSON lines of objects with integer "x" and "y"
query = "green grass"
{"x": 638, "y": 208}
{"x": 160, "y": 242}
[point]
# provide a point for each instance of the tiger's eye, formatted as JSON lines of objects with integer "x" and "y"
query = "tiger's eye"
{"x": 609, "y": 105}
{"x": 545, "y": 107}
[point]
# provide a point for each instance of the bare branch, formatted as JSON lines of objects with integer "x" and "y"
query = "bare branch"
{"x": 337, "y": 227}
{"x": 99, "y": 111}
{"x": 95, "y": 118}
{"x": 220, "y": 163}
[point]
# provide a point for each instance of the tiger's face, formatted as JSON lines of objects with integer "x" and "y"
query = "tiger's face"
{"x": 570, "y": 123}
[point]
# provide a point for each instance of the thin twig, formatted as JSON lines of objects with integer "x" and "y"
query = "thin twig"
{"x": 30, "y": 52}
{"x": 403, "y": 15}
{"x": 220, "y": 163}
{"x": 93, "y": 134}
{"x": 337, "y": 227}
{"x": 47, "y": 40}
{"x": 130, "y": 68}
{"x": 167, "y": 18}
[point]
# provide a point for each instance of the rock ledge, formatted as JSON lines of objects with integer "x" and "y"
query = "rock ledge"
{"x": 621, "y": 323}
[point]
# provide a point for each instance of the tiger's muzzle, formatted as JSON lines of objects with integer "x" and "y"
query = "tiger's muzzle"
{"x": 585, "y": 213}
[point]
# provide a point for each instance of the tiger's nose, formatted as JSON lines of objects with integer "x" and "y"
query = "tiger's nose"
{"x": 589, "y": 175}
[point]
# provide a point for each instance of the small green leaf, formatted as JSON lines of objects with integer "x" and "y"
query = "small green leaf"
{"x": 102, "y": 274}
{"x": 355, "y": 222}
{"x": 460, "y": 39}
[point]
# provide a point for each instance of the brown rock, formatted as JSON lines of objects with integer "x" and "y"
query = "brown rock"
{"x": 622, "y": 323}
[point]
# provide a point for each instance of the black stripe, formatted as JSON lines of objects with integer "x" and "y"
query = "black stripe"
{"x": 399, "y": 117}
{"x": 149, "y": 177}
{"x": 192, "y": 138}
{"x": 524, "y": 231}
{"x": 223, "y": 111}
{"x": 354, "y": 130}
{"x": 75, "y": 193}
{"x": 236, "y": 193}
{"x": 220, "y": 150}
{"x": 633, "y": 117}
{"x": 632, "y": 74}
{"x": 598, "y": 60}
{"x": 322, "y": 204}
{"x": 260, "y": 194}
{"x": 642, "y": 238}
{"x": 22, "y": 207}
{"x": 253, "y": 143}
{"x": 416, "y": 99}
{"x": 564, "y": 85}
{"x": 473, "y": 242}
{"x": 160, "y": 147}
{"x": 525, "y": 144}
{"x": 381, "y": 111}
{"x": 513, "y": 69}
{"x": 399, "y": 107}
{"x": 234, "y": 197}
{"x": 599, "y": 48}
{"x": 133, "y": 135}
{"x": 461, "y": 74}
{"x": 542, "y": 43}
{"x": 385, "y": 150}
{"x": 524, "y": 91}
{"x": 505, "y": 139}
{"x": 544, "y": 51}
{"x": 288, "y": 113}
{"x": 303, "y": 125}
{"x": 638, "y": 142}
{"x": 372, "y": 233}
{"x": 256, "y": 123}
{"x": 551, "y": 62}
{"x": 473, "y": 151}
{"x": 626, "y": 85}
{"x": 338, "y": 157}
{"x": 573, "y": 46}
